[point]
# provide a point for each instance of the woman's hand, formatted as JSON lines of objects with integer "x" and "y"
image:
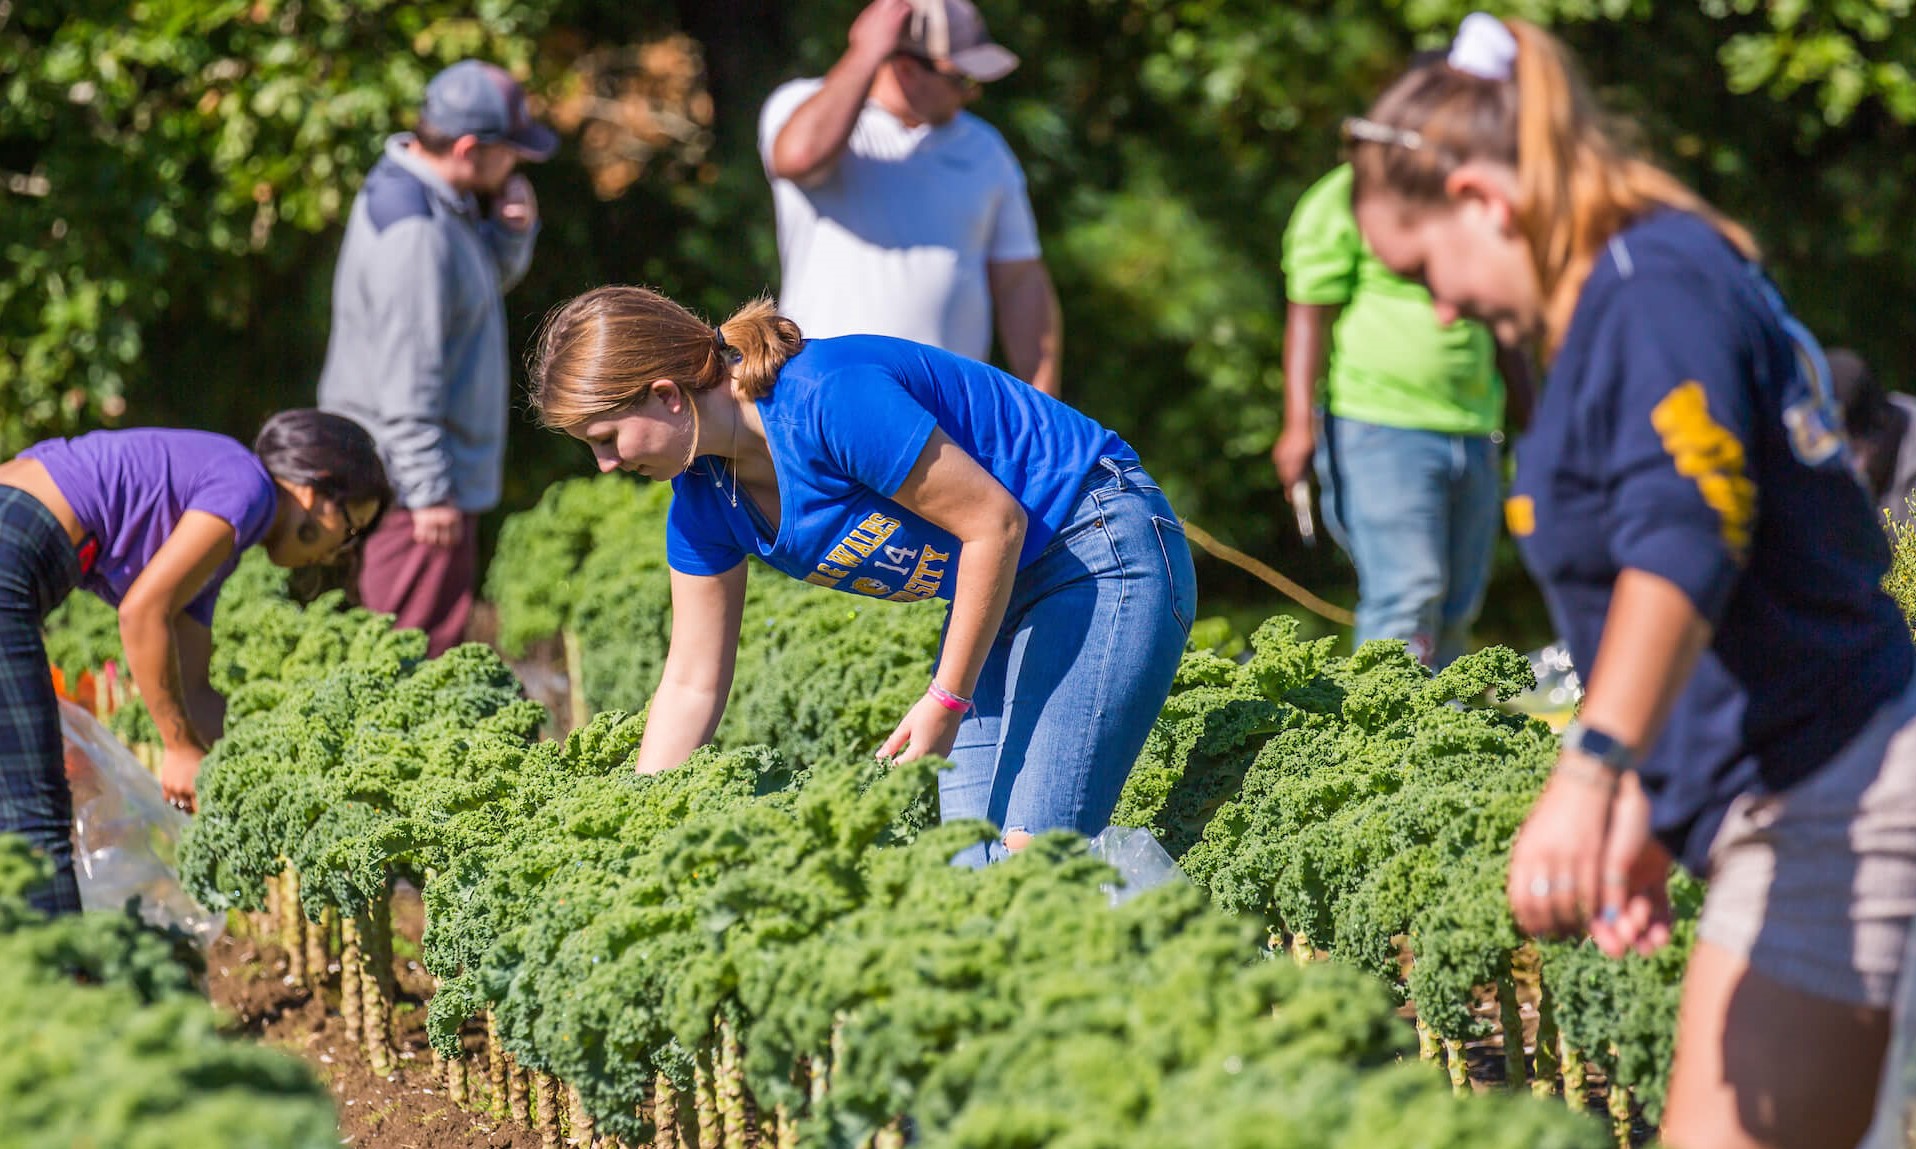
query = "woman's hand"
{"x": 178, "y": 770}
{"x": 1635, "y": 911}
{"x": 1559, "y": 855}
{"x": 930, "y": 727}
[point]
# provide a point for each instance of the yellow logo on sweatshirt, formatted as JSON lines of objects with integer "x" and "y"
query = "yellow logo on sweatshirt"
{"x": 1520, "y": 514}
{"x": 1705, "y": 452}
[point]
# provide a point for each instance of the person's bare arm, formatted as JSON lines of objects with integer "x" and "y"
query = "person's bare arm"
{"x": 1307, "y": 340}
{"x": 1520, "y": 389}
{"x": 690, "y": 700}
{"x": 950, "y": 489}
{"x": 811, "y": 142}
{"x": 205, "y": 706}
{"x": 1030, "y": 322}
{"x": 200, "y": 542}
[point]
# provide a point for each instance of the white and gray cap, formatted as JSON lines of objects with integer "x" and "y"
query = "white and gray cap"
{"x": 953, "y": 31}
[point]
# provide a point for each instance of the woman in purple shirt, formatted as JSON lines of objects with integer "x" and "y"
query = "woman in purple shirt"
{"x": 153, "y": 521}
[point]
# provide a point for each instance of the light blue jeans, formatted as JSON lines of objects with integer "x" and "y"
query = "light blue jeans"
{"x": 1080, "y": 667}
{"x": 1417, "y": 512}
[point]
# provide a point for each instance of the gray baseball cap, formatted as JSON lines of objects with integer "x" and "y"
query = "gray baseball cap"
{"x": 952, "y": 30}
{"x": 474, "y": 98}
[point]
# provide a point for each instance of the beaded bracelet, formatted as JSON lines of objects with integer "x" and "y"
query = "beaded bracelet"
{"x": 947, "y": 699}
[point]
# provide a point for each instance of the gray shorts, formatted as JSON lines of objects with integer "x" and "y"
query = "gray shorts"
{"x": 1816, "y": 886}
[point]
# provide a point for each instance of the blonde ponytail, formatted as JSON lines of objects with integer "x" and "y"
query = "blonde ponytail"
{"x": 1577, "y": 184}
{"x": 601, "y": 352}
{"x": 763, "y": 340}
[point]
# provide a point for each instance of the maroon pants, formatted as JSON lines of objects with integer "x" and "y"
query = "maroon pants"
{"x": 426, "y": 587}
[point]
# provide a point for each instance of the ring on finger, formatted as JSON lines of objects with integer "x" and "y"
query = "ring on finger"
{"x": 1540, "y": 887}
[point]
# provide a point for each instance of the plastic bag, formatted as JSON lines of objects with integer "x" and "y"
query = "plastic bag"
{"x": 1558, "y": 692}
{"x": 126, "y": 837}
{"x": 1140, "y": 861}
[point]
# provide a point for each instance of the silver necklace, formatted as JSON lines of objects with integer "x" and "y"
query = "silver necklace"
{"x": 731, "y": 466}
{"x": 712, "y": 471}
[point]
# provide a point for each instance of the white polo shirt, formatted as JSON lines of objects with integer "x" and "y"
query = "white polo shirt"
{"x": 896, "y": 240}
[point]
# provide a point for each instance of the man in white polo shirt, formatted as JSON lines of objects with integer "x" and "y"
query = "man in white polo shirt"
{"x": 900, "y": 213}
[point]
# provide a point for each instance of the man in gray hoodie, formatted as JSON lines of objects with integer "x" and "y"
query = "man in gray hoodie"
{"x": 442, "y": 229}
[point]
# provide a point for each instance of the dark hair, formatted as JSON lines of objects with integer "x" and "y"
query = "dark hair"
{"x": 330, "y": 453}
{"x": 434, "y": 141}
{"x": 1864, "y": 403}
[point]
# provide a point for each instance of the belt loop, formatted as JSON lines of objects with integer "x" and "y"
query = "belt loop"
{"x": 1111, "y": 465}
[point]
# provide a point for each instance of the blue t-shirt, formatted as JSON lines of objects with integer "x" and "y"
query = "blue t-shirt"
{"x": 846, "y": 423}
{"x": 1684, "y": 433}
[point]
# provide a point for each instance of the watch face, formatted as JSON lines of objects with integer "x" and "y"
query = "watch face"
{"x": 1598, "y": 745}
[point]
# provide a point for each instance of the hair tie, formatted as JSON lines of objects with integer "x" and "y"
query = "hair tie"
{"x": 718, "y": 333}
{"x": 1484, "y": 48}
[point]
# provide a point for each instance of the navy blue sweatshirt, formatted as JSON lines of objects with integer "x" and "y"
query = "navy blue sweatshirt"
{"x": 1684, "y": 432}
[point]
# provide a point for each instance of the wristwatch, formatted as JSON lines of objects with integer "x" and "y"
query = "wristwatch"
{"x": 1613, "y": 753}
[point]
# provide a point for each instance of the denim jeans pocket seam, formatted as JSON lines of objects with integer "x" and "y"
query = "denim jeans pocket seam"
{"x": 1158, "y": 525}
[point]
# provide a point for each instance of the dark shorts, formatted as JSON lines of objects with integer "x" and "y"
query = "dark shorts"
{"x": 38, "y": 569}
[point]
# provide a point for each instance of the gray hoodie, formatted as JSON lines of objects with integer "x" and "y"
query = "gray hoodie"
{"x": 417, "y": 353}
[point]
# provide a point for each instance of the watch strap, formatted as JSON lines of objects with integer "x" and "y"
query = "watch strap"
{"x": 1613, "y": 753}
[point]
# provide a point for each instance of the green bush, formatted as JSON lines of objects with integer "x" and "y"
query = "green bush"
{"x": 109, "y": 1043}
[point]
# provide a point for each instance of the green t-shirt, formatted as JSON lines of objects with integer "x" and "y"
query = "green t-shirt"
{"x": 1391, "y": 362}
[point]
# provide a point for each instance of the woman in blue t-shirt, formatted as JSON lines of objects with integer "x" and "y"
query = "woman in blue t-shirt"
{"x": 1685, "y": 501}
{"x": 894, "y": 470}
{"x": 153, "y": 521}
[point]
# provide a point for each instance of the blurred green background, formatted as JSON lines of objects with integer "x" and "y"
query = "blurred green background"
{"x": 173, "y": 176}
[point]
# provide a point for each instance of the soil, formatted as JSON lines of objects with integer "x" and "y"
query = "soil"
{"x": 407, "y": 1110}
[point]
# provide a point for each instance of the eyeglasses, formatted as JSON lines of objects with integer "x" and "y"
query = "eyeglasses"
{"x": 355, "y": 532}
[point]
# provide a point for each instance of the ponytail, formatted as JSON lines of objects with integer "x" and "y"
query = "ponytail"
{"x": 1577, "y": 184}
{"x": 600, "y": 352}
{"x": 763, "y": 340}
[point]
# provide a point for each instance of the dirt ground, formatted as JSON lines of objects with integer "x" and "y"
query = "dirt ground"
{"x": 407, "y": 1110}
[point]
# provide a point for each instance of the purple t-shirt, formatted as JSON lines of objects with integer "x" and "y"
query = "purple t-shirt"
{"x": 129, "y": 488}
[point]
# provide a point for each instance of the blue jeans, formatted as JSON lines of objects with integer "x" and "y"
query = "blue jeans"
{"x": 1080, "y": 667}
{"x": 1417, "y": 512}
